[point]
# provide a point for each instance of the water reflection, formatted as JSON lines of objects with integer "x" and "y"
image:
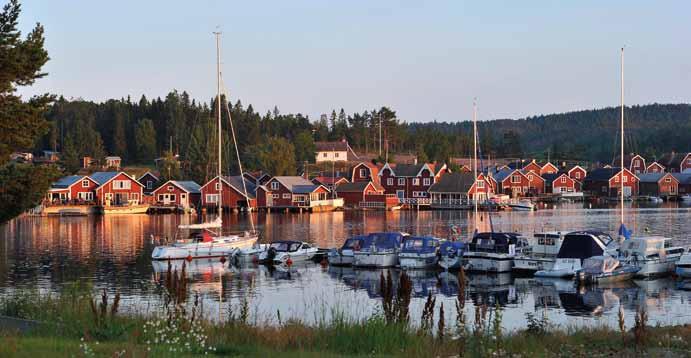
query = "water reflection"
{"x": 113, "y": 252}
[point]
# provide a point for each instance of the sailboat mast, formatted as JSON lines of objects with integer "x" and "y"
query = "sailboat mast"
{"x": 218, "y": 113}
{"x": 621, "y": 179}
{"x": 475, "y": 155}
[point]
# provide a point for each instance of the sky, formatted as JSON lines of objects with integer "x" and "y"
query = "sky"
{"x": 427, "y": 60}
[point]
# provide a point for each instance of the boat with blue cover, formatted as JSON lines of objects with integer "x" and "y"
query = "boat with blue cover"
{"x": 451, "y": 255}
{"x": 379, "y": 250}
{"x": 419, "y": 252}
{"x": 493, "y": 251}
{"x": 345, "y": 255}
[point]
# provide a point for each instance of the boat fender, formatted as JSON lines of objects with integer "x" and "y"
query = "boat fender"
{"x": 223, "y": 259}
{"x": 189, "y": 258}
{"x": 289, "y": 261}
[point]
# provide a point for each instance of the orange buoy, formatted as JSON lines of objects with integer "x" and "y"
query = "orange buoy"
{"x": 289, "y": 262}
{"x": 189, "y": 257}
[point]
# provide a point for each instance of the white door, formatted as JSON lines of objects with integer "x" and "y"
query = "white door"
{"x": 627, "y": 191}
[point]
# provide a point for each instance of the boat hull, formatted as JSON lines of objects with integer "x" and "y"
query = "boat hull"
{"x": 683, "y": 271}
{"x": 200, "y": 250}
{"x": 366, "y": 259}
{"x": 656, "y": 268}
{"x": 451, "y": 263}
{"x": 488, "y": 262}
{"x": 532, "y": 264}
{"x": 417, "y": 261}
{"x": 340, "y": 257}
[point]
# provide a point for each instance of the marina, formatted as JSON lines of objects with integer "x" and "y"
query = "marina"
{"x": 113, "y": 252}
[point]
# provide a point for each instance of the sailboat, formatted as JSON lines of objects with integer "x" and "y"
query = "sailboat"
{"x": 207, "y": 239}
{"x": 490, "y": 251}
{"x": 651, "y": 255}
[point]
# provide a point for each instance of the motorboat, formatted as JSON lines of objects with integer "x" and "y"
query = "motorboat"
{"x": 379, "y": 250}
{"x": 522, "y": 205}
{"x": 683, "y": 266}
{"x": 651, "y": 199}
{"x": 493, "y": 251}
{"x": 603, "y": 269}
{"x": 249, "y": 254}
{"x": 653, "y": 255}
{"x": 287, "y": 251}
{"x": 576, "y": 247}
{"x": 541, "y": 255}
{"x": 345, "y": 255}
{"x": 451, "y": 255}
{"x": 685, "y": 198}
{"x": 204, "y": 244}
{"x": 419, "y": 252}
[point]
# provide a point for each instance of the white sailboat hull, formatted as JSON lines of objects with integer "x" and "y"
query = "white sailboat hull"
{"x": 219, "y": 247}
{"x": 378, "y": 259}
{"x": 417, "y": 261}
{"x": 488, "y": 262}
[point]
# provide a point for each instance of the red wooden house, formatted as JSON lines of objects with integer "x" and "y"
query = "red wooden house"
{"x": 532, "y": 167}
{"x": 75, "y": 189}
{"x": 685, "y": 163}
{"x": 561, "y": 183}
{"x": 512, "y": 182}
{"x": 117, "y": 188}
{"x": 410, "y": 182}
{"x": 329, "y": 182}
{"x": 355, "y": 193}
{"x": 637, "y": 164}
{"x": 149, "y": 181}
{"x": 655, "y": 167}
{"x": 623, "y": 179}
{"x": 578, "y": 173}
{"x": 233, "y": 193}
{"x": 549, "y": 168}
{"x": 291, "y": 192}
{"x": 676, "y": 162}
{"x": 184, "y": 194}
{"x": 482, "y": 189}
{"x": 659, "y": 184}
{"x": 536, "y": 184}
{"x": 365, "y": 171}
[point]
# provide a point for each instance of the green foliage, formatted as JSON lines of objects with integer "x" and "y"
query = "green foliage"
{"x": 276, "y": 156}
{"x": 145, "y": 139}
{"x": 22, "y": 186}
{"x": 169, "y": 167}
{"x": 304, "y": 147}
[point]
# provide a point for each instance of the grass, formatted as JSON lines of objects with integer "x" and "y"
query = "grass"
{"x": 79, "y": 322}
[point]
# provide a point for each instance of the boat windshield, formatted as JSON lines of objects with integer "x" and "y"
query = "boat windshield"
{"x": 419, "y": 245}
{"x": 353, "y": 243}
{"x": 285, "y": 246}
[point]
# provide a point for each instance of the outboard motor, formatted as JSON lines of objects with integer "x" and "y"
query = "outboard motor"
{"x": 271, "y": 254}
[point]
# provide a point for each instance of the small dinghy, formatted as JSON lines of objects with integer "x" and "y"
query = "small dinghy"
{"x": 287, "y": 251}
{"x": 345, "y": 255}
{"x": 419, "y": 252}
{"x": 451, "y": 253}
{"x": 603, "y": 269}
{"x": 522, "y": 205}
{"x": 249, "y": 254}
{"x": 379, "y": 250}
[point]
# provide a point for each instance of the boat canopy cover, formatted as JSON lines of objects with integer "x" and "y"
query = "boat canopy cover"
{"x": 383, "y": 240}
{"x": 498, "y": 238}
{"x": 354, "y": 242}
{"x": 448, "y": 247}
{"x": 284, "y": 246}
{"x": 423, "y": 245}
{"x": 580, "y": 245}
{"x": 600, "y": 264}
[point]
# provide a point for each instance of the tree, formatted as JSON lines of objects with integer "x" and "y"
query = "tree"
{"x": 169, "y": 166}
{"x": 304, "y": 147}
{"x": 275, "y": 156}
{"x": 21, "y": 123}
{"x": 145, "y": 138}
{"x": 70, "y": 156}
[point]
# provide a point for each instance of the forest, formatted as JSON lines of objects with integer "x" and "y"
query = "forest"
{"x": 140, "y": 131}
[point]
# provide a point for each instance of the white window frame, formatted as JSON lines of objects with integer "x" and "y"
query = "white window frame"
{"x": 324, "y": 155}
{"x": 171, "y": 197}
{"x": 416, "y": 181}
{"x": 563, "y": 180}
{"x": 212, "y": 198}
{"x": 336, "y": 154}
{"x": 121, "y": 185}
{"x": 363, "y": 173}
{"x": 625, "y": 178}
{"x": 85, "y": 183}
{"x": 515, "y": 179}
{"x": 426, "y": 181}
{"x": 170, "y": 188}
{"x": 276, "y": 196}
{"x": 286, "y": 195}
{"x": 530, "y": 177}
{"x": 668, "y": 180}
{"x": 274, "y": 185}
{"x": 389, "y": 181}
{"x": 218, "y": 186}
{"x": 183, "y": 196}
{"x": 134, "y": 196}
{"x": 480, "y": 184}
{"x": 85, "y": 195}
{"x": 149, "y": 184}
{"x": 401, "y": 181}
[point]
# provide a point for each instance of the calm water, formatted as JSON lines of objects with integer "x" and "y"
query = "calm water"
{"x": 113, "y": 252}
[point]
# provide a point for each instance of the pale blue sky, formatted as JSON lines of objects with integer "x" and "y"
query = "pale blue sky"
{"x": 425, "y": 59}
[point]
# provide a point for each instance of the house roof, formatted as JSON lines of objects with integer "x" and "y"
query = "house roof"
{"x": 66, "y": 182}
{"x": 650, "y": 177}
{"x": 457, "y": 182}
{"x": 187, "y": 185}
{"x": 355, "y": 187}
{"x": 112, "y": 157}
{"x": 602, "y": 174}
{"x": 304, "y": 189}
{"x": 684, "y": 178}
{"x": 549, "y": 178}
{"x": 151, "y": 174}
{"x": 502, "y": 174}
{"x": 340, "y": 146}
{"x": 529, "y": 172}
{"x": 235, "y": 182}
{"x": 103, "y": 177}
{"x": 290, "y": 181}
{"x": 328, "y": 180}
{"x": 408, "y": 170}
